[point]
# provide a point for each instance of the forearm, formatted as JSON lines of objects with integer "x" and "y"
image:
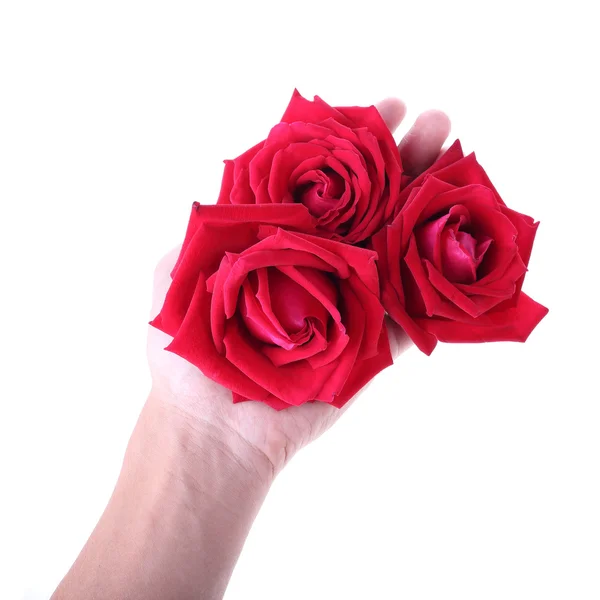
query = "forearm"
{"x": 178, "y": 518}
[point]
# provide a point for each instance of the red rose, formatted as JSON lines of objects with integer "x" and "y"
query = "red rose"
{"x": 453, "y": 260}
{"x": 341, "y": 163}
{"x": 275, "y": 315}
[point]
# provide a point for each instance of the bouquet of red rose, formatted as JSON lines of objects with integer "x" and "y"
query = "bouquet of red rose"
{"x": 281, "y": 288}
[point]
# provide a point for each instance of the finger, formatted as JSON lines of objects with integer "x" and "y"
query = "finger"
{"x": 392, "y": 111}
{"x": 422, "y": 144}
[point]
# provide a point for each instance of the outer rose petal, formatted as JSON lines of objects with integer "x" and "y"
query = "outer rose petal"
{"x": 355, "y": 322}
{"x": 194, "y": 343}
{"x": 234, "y": 187}
{"x": 226, "y": 183}
{"x": 458, "y": 170}
{"x": 294, "y": 217}
{"x": 425, "y": 341}
{"x": 301, "y": 109}
{"x": 526, "y": 228}
{"x": 419, "y": 200}
{"x": 371, "y": 119}
{"x": 453, "y": 154}
{"x": 374, "y": 313}
{"x": 512, "y": 325}
{"x": 200, "y": 254}
{"x": 359, "y": 377}
{"x": 361, "y": 259}
{"x": 365, "y": 370}
{"x": 386, "y": 244}
{"x": 281, "y": 381}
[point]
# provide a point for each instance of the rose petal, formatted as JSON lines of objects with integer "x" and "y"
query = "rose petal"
{"x": 301, "y": 109}
{"x": 315, "y": 283}
{"x": 418, "y": 202}
{"x": 280, "y": 355}
{"x": 285, "y": 162}
{"x": 426, "y": 291}
{"x": 226, "y": 183}
{"x": 445, "y": 287}
{"x": 343, "y": 257}
{"x": 336, "y": 334}
{"x": 201, "y": 252}
{"x": 255, "y": 258}
{"x": 374, "y": 313}
{"x": 473, "y": 197}
{"x": 355, "y": 322}
{"x": 421, "y": 338}
{"x": 365, "y": 370}
{"x": 473, "y": 305}
{"x": 337, "y": 340}
{"x": 234, "y": 186}
{"x": 193, "y": 342}
{"x": 321, "y": 191}
{"x": 453, "y": 154}
{"x": 295, "y": 384}
{"x": 221, "y": 216}
{"x": 265, "y": 328}
{"x": 371, "y": 119}
{"x": 293, "y": 304}
{"x": 428, "y": 237}
{"x": 511, "y": 325}
{"x": 467, "y": 171}
{"x": 526, "y": 230}
{"x": 459, "y": 260}
{"x": 334, "y": 255}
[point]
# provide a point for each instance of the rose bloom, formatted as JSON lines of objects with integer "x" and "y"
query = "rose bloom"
{"x": 341, "y": 163}
{"x": 452, "y": 261}
{"x": 274, "y": 315}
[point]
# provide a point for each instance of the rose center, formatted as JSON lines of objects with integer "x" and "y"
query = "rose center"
{"x": 280, "y": 311}
{"x": 451, "y": 245}
{"x": 319, "y": 190}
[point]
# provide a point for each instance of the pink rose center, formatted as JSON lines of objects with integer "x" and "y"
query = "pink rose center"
{"x": 278, "y": 311}
{"x": 320, "y": 190}
{"x": 450, "y": 243}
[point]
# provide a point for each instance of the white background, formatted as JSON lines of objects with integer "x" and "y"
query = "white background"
{"x": 473, "y": 474}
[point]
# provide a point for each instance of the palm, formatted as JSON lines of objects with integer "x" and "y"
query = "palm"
{"x": 276, "y": 434}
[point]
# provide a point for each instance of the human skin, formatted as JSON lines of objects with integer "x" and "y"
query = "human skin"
{"x": 198, "y": 467}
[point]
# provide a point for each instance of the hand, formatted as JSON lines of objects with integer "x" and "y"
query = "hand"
{"x": 252, "y": 431}
{"x": 198, "y": 467}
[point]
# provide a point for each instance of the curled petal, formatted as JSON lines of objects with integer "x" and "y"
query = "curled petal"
{"x": 512, "y": 325}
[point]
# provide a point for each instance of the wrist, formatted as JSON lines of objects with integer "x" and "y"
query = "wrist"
{"x": 201, "y": 458}
{"x": 178, "y": 518}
